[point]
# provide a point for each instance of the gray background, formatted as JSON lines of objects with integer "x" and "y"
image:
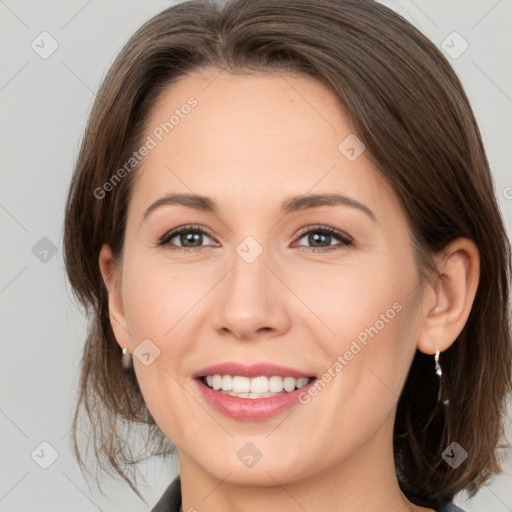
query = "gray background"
{"x": 44, "y": 105}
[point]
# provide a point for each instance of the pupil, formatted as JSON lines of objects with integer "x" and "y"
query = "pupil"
{"x": 315, "y": 238}
{"x": 191, "y": 237}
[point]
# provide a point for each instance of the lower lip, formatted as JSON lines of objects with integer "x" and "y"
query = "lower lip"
{"x": 251, "y": 409}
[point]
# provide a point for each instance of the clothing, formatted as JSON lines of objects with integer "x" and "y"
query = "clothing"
{"x": 171, "y": 501}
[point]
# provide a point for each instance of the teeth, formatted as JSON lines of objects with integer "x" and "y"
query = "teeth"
{"x": 256, "y": 387}
{"x": 259, "y": 385}
{"x": 275, "y": 384}
{"x": 217, "y": 382}
{"x": 227, "y": 383}
{"x": 239, "y": 384}
{"x": 301, "y": 382}
{"x": 289, "y": 383}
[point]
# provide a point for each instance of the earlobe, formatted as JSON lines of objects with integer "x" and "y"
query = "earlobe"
{"x": 449, "y": 301}
{"x": 112, "y": 281}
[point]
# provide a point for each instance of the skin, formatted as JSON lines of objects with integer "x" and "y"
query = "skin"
{"x": 252, "y": 141}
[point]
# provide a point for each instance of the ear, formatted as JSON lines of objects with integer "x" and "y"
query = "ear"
{"x": 447, "y": 303}
{"x": 111, "y": 274}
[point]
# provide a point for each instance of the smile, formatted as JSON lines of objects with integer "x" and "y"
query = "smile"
{"x": 251, "y": 393}
{"x": 255, "y": 387}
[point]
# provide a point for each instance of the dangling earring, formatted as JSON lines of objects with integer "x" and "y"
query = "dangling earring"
{"x": 126, "y": 359}
{"x": 439, "y": 372}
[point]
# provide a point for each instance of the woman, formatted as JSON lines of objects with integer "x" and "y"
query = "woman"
{"x": 336, "y": 335}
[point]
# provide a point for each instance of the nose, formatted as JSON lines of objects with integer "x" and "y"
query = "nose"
{"x": 251, "y": 301}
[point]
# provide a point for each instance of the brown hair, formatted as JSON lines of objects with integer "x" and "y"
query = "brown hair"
{"x": 411, "y": 112}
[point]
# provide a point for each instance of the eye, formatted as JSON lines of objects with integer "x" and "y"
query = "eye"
{"x": 319, "y": 235}
{"x": 189, "y": 236}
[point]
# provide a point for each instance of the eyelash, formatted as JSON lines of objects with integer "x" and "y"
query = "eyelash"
{"x": 326, "y": 230}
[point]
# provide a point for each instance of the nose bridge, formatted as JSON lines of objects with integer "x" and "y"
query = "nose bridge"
{"x": 250, "y": 298}
{"x": 249, "y": 278}
{"x": 250, "y": 250}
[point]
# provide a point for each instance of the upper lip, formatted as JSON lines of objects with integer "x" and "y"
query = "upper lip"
{"x": 252, "y": 370}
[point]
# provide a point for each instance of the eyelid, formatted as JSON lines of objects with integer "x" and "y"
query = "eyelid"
{"x": 164, "y": 239}
{"x": 323, "y": 227}
{"x": 345, "y": 239}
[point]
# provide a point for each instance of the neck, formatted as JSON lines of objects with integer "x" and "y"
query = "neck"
{"x": 365, "y": 480}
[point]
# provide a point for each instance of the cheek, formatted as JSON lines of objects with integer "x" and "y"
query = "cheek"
{"x": 162, "y": 303}
{"x": 349, "y": 298}
{"x": 158, "y": 298}
{"x": 374, "y": 317}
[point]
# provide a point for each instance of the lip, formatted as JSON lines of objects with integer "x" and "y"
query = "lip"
{"x": 250, "y": 409}
{"x": 253, "y": 370}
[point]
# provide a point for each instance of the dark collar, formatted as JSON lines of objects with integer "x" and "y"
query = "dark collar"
{"x": 171, "y": 498}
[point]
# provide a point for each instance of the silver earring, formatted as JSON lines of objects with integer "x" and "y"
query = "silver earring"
{"x": 126, "y": 359}
{"x": 438, "y": 366}
{"x": 439, "y": 372}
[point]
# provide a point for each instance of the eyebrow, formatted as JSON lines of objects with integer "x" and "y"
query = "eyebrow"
{"x": 290, "y": 205}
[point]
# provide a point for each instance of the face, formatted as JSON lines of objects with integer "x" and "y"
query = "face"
{"x": 327, "y": 290}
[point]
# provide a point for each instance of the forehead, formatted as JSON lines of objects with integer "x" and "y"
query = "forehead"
{"x": 251, "y": 137}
